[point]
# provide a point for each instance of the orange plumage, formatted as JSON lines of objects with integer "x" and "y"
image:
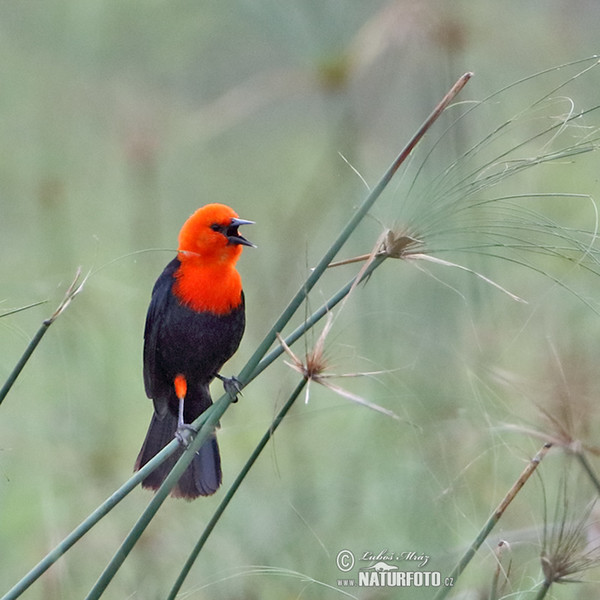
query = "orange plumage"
{"x": 207, "y": 278}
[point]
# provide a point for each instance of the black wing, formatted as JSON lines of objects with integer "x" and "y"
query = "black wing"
{"x": 154, "y": 380}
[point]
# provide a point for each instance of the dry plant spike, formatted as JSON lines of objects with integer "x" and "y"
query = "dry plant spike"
{"x": 74, "y": 289}
{"x": 369, "y": 259}
{"x": 348, "y": 261}
{"x": 566, "y": 554}
{"x": 314, "y": 365}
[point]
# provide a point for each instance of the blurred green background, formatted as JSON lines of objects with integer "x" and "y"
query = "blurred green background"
{"x": 119, "y": 119}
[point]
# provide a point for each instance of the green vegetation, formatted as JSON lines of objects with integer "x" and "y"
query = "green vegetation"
{"x": 120, "y": 119}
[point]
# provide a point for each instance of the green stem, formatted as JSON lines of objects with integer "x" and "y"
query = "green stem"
{"x": 587, "y": 467}
{"x": 494, "y": 518}
{"x": 48, "y": 560}
{"x": 233, "y": 489}
{"x": 88, "y": 523}
{"x": 253, "y": 367}
{"x": 219, "y": 408}
{"x": 33, "y": 344}
{"x": 352, "y": 224}
{"x": 314, "y": 318}
{"x": 294, "y": 336}
{"x": 543, "y": 590}
{"x": 211, "y": 418}
{"x": 71, "y": 292}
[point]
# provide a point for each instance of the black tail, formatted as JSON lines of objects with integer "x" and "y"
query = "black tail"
{"x": 201, "y": 478}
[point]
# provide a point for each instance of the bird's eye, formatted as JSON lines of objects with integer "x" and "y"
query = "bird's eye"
{"x": 216, "y": 227}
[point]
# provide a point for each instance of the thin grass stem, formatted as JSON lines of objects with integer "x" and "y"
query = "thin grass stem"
{"x": 85, "y": 526}
{"x": 545, "y": 586}
{"x": 316, "y": 317}
{"x": 33, "y": 344}
{"x": 71, "y": 292}
{"x": 587, "y": 467}
{"x": 211, "y": 419}
{"x": 207, "y": 421}
{"x": 48, "y": 560}
{"x": 352, "y": 224}
{"x": 219, "y": 408}
{"x": 233, "y": 489}
{"x": 493, "y": 519}
{"x": 22, "y": 308}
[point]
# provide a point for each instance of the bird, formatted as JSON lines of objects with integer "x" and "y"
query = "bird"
{"x": 194, "y": 324}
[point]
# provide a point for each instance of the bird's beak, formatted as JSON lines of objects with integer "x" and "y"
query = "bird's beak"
{"x": 234, "y": 236}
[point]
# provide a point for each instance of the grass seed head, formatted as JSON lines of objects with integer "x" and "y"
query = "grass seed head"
{"x": 570, "y": 544}
{"x": 397, "y": 244}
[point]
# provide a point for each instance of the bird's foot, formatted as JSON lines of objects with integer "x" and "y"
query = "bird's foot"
{"x": 233, "y": 386}
{"x": 185, "y": 434}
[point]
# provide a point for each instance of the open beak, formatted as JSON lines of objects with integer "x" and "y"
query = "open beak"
{"x": 233, "y": 235}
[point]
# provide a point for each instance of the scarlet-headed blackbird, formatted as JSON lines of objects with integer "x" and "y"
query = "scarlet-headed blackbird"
{"x": 194, "y": 324}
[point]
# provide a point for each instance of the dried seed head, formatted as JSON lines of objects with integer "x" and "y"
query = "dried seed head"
{"x": 313, "y": 369}
{"x": 315, "y": 363}
{"x": 568, "y": 402}
{"x": 397, "y": 244}
{"x": 567, "y": 550}
{"x": 74, "y": 289}
{"x": 313, "y": 366}
{"x": 569, "y": 558}
{"x": 391, "y": 244}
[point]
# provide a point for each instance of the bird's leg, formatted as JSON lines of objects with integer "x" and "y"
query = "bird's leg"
{"x": 185, "y": 433}
{"x": 232, "y": 385}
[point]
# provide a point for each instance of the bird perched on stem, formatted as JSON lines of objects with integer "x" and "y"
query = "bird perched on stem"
{"x": 194, "y": 324}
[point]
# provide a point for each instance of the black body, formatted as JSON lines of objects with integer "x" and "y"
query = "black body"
{"x": 179, "y": 340}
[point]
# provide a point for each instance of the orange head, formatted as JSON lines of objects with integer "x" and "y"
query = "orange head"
{"x": 209, "y": 246}
{"x": 211, "y": 234}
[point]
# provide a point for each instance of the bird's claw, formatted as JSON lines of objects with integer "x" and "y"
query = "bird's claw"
{"x": 232, "y": 385}
{"x": 185, "y": 434}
